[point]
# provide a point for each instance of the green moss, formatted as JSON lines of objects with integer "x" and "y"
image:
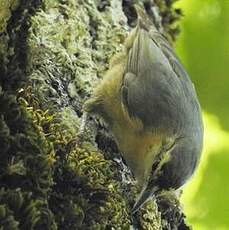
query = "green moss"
{"x": 75, "y": 191}
{"x": 88, "y": 194}
{"x": 6, "y": 6}
{"x": 150, "y": 217}
{"x": 7, "y": 218}
{"x": 25, "y": 152}
{"x": 85, "y": 192}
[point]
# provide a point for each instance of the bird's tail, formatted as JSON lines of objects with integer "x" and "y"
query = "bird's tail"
{"x": 145, "y": 194}
{"x": 144, "y": 21}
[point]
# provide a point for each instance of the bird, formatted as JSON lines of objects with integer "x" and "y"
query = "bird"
{"x": 150, "y": 105}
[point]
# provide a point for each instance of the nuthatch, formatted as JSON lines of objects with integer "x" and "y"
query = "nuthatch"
{"x": 151, "y": 106}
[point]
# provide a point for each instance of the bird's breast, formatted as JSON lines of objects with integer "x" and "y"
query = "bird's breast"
{"x": 139, "y": 149}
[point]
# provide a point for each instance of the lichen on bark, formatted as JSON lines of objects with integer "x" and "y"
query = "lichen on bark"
{"x": 52, "y": 54}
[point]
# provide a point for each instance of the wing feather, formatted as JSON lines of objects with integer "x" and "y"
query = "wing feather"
{"x": 155, "y": 86}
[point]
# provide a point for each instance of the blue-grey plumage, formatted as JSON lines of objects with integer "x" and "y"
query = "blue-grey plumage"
{"x": 152, "y": 108}
{"x": 167, "y": 102}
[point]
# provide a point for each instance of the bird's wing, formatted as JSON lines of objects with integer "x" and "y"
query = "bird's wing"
{"x": 174, "y": 62}
{"x": 151, "y": 87}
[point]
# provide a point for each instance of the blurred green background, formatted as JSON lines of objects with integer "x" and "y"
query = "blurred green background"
{"x": 203, "y": 46}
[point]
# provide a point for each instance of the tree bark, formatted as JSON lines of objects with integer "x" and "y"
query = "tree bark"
{"x": 52, "y": 53}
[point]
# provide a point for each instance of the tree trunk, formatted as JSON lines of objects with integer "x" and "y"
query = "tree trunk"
{"x": 52, "y": 53}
